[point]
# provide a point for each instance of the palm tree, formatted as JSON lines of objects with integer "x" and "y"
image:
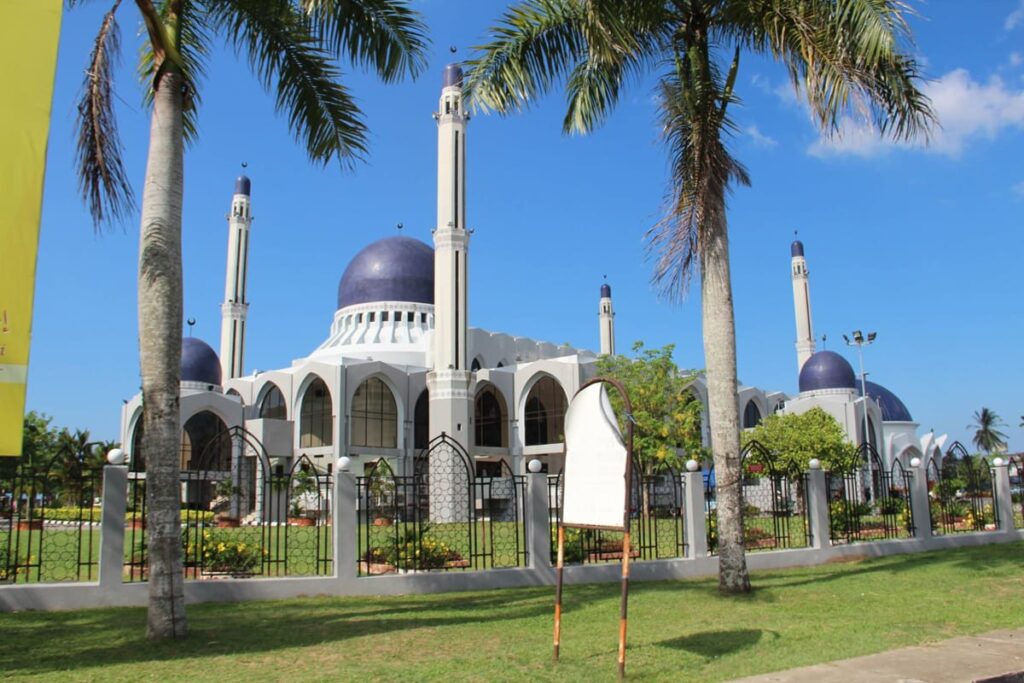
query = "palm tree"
{"x": 293, "y": 47}
{"x": 841, "y": 55}
{"x": 986, "y": 435}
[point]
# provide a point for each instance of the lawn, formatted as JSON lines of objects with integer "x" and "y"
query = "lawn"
{"x": 678, "y": 630}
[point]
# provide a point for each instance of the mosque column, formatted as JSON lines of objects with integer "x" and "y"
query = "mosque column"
{"x": 802, "y": 306}
{"x": 606, "y": 318}
{"x": 235, "y": 308}
{"x": 450, "y": 378}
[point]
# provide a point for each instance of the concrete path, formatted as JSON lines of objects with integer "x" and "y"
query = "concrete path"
{"x": 987, "y": 658}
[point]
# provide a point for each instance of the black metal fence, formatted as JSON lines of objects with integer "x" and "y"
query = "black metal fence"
{"x": 49, "y": 518}
{"x": 656, "y": 522}
{"x": 869, "y": 502}
{"x": 961, "y": 493}
{"x": 244, "y": 516}
{"x": 774, "y": 503}
{"x": 442, "y": 516}
{"x": 1015, "y": 469}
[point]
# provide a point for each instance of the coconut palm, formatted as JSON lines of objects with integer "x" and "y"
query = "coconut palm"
{"x": 843, "y": 56}
{"x": 293, "y": 48}
{"x": 987, "y": 436}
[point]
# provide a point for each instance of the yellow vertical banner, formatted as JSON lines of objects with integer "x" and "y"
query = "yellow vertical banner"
{"x": 29, "y": 33}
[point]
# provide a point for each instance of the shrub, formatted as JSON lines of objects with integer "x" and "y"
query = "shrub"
{"x": 891, "y": 506}
{"x": 222, "y": 553}
{"x": 415, "y": 549}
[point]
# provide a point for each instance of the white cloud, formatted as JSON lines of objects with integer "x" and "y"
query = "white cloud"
{"x": 1016, "y": 17}
{"x": 1016, "y": 59}
{"x": 966, "y": 109}
{"x": 758, "y": 138}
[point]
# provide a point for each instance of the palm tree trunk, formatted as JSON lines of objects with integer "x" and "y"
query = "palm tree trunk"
{"x": 160, "y": 294}
{"x": 723, "y": 413}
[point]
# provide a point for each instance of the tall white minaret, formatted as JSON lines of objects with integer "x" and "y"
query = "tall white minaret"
{"x": 235, "y": 307}
{"x": 802, "y": 306}
{"x": 449, "y": 379}
{"x": 606, "y": 317}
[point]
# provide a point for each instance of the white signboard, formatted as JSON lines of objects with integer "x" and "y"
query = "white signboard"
{"x": 594, "y": 479}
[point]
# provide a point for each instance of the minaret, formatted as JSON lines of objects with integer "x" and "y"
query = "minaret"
{"x": 450, "y": 376}
{"x": 606, "y": 316}
{"x": 802, "y": 306}
{"x": 235, "y": 307}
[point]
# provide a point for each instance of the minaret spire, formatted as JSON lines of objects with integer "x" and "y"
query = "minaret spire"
{"x": 450, "y": 377}
{"x": 236, "y": 306}
{"x": 606, "y": 318}
{"x": 801, "y": 305}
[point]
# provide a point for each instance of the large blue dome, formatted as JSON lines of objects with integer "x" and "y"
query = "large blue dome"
{"x": 199, "y": 363}
{"x": 391, "y": 269}
{"x": 826, "y": 370}
{"x": 893, "y": 409}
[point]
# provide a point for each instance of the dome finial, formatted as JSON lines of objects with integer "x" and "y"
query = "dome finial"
{"x": 191, "y": 322}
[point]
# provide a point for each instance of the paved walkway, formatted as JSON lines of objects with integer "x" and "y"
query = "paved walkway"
{"x": 986, "y": 657}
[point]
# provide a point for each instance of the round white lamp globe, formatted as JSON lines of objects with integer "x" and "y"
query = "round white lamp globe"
{"x": 814, "y": 464}
{"x": 915, "y": 462}
{"x": 115, "y": 456}
{"x": 998, "y": 462}
{"x": 692, "y": 465}
{"x": 535, "y": 466}
{"x": 344, "y": 462}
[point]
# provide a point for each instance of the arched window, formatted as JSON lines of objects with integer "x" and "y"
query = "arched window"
{"x": 315, "y": 429}
{"x": 751, "y": 415}
{"x": 872, "y": 434}
{"x": 205, "y": 444}
{"x": 545, "y": 413}
{"x": 137, "y": 463}
{"x": 476, "y": 365}
{"x": 490, "y": 418}
{"x": 374, "y": 415}
{"x": 233, "y": 392}
{"x": 272, "y": 407}
{"x": 421, "y": 421}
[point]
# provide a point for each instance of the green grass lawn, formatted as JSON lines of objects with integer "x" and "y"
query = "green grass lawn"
{"x": 678, "y": 630}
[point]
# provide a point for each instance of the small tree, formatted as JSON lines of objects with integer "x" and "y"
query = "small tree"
{"x": 793, "y": 439}
{"x": 666, "y": 414}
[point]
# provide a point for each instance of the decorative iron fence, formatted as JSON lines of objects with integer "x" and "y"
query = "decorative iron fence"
{"x": 656, "y": 523}
{"x": 961, "y": 494}
{"x": 1016, "y": 471}
{"x": 774, "y": 503}
{"x": 243, "y": 517}
{"x": 868, "y": 502}
{"x": 442, "y": 517}
{"x": 49, "y": 517}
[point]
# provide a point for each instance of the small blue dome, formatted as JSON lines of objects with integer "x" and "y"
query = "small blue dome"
{"x": 391, "y": 269}
{"x": 606, "y": 291}
{"x": 797, "y": 248}
{"x": 826, "y": 370}
{"x": 452, "y": 76}
{"x": 893, "y": 409}
{"x": 199, "y": 363}
{"x": 243, "y": 185}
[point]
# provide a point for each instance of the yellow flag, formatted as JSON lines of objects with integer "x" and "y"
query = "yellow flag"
{"x": 29, "y": 32}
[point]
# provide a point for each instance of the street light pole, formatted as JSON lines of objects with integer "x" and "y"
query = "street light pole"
{"x": 860, "y": 341}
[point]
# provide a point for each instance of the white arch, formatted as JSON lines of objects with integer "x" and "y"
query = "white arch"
{"x": 261, "y": 395}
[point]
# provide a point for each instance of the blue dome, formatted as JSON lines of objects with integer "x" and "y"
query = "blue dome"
{"x": 199, "y": 363}
{"x": 243, "y": 185}
{"x": 606, "y": 291}
{"x": 826, "y": 370}
{"x": 797, "y": 248}
{"x": 391, "y": 269}
{"x": 893, "y": 409}
{"x": 452, "y": 76}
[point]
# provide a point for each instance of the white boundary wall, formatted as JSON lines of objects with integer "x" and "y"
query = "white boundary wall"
{"x": 111, "y": 590}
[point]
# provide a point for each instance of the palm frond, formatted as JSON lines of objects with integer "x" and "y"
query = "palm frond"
{"x": 289, "y": 58}
{"x": 385, "y": 35}
{"x": 193, "y": 45}
{"x": 846, "y": 56}
{"x": 101, "y": 175}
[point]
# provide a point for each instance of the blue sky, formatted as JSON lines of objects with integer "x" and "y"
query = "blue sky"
{"x": 922, "y": 245}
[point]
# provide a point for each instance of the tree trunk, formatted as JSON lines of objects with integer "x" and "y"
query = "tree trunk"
{"x": 160, "y": 296}
{"x": 723, "y": 413}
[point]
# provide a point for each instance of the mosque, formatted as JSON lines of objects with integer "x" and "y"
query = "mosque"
{"x": 400, "y": 363}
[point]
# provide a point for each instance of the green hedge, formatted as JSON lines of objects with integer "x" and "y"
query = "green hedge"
{"x": 95, "y": 514}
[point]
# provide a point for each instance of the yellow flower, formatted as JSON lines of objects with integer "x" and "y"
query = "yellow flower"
{"x": 220, "y": 547}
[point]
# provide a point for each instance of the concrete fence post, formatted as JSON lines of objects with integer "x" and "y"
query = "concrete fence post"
{"x": 817, "y": 508}
{"x": 112, "y": 512}
{"x": 920, "y": 503}
{"x": 538, "y": 528}
{"x": 694, "y": 515}
{"x": 1003, "y": 503}
{"x": 346, "y": 525}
